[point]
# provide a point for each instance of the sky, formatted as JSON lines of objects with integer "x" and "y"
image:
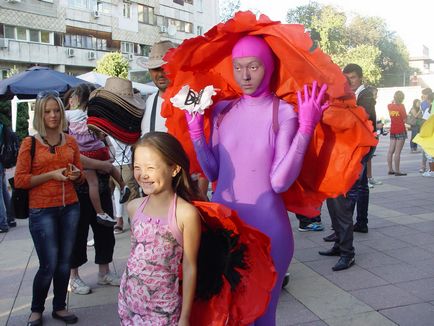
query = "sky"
{"x": 411, "y": 20}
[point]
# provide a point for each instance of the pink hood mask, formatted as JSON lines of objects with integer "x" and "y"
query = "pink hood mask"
{"x": 254, "y": 46}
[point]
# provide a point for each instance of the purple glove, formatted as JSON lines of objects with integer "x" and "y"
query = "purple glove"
{"x": 311, "y": 109}
{"x": 195, "y": 125}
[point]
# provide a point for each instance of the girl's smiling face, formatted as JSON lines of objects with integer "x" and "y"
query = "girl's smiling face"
{"x": 151, "y": 172}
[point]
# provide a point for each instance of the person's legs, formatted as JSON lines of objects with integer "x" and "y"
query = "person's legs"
{"x": 43, "y": 225}
{"x": 92, "y": 181}
{"x": 125, "y": 190}
{"x": 390, "y": 152}
{"x": 397, "y": 158}
{"x": 10, "y": 213}
{"x": 423, "y": 163}
{"x": 414, "y": 132}
{"x": 3, "y": 218}
{"x": 362, "y": 201}
{"x": 67, "y": 219}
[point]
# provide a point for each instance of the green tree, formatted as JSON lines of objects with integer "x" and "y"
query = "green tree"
{"x": 228, "y": 8}
{"x": 362, "y": 40}
{"x": 113, "y": 64}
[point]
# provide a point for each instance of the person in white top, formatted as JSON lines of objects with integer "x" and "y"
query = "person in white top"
{"x": 152, "y": 119}
{"x": 122, "y": 161}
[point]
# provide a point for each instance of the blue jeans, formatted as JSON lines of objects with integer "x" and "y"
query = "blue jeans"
{"x": 5, "y": 201}
{"x": 53, "y": 232}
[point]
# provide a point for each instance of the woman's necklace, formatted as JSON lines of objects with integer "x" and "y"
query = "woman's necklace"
{"x": 52, "y": 148}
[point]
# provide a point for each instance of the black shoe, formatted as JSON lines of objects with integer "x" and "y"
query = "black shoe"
{"x": 285, "y": 280}
{"x": 12, "y": 224}
{"x": 344, "y": 262}
{"x": 361, "y": 228}
{"x": 330, "y": 238}
{"x": 68, "y": 319}
{"x": 331, "y": 252}
{"x": 4, "y": 230}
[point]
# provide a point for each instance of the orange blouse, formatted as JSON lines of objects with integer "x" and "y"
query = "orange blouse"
{"x": 52, "y": 193}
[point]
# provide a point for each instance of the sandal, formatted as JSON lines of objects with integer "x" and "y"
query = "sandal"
{"x": 118, "y": 229}
{"x": 391, "y": 173}
{"x": 398, "y": 174}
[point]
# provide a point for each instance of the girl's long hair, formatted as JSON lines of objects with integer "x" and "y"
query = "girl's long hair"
{"x": 172, "y": 153}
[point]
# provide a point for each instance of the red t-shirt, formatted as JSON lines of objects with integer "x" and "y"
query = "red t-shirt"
{"x": 397, "y": 118}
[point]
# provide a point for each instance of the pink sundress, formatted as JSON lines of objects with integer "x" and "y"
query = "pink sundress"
{"x": 149, "y": 292}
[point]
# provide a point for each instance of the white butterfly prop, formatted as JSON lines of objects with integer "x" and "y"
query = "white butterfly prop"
{"x": 188, "y": 99}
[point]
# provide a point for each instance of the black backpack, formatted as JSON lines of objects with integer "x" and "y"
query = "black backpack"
{"x": 9, "y": 149}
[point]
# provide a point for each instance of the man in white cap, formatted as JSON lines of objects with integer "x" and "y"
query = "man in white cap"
{"x": 152, "y": 119}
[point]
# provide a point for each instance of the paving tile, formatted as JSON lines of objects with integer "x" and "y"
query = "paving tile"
{"x": 423, "y": 289}
{"x": 417, "y": 238}
{"x": 410, "y": 254}
{"x": 424, "y": 226}
{"x": 399, "y": 272}
{"x": 106, "y": 315}
{"x": 396, "y": 230}
{"x": 421, "y": 314}
{"x": 387, "y": 296}
{"x": 292, "y": 312}
{"x": 375, "y": 259}
{"x": 370, "y": 318}
{"x": 355, "y": 278}
{"x": 387, "y": 243}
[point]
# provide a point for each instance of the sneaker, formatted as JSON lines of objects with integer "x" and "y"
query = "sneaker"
{"x": 105, "y": 219}
{"x": 374, "y": 182}
{"x": 125, "y": 195}
{"x": 91, "y": 243}
{"x": 370, "y": 185}
{"x": 285, "y": 280}
{"x": 77, "y": 286}
{"x": 109, "y": 279}
{"x": 4, "y": 230}
{"x": 315, "y": 226}
{"x": 428, "y": 174}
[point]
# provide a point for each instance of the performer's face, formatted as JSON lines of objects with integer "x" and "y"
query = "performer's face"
{"x": 248, "y": 73}
{"x": 159, "y": 78}
{"x": 151, "y": 171}
{"x": 354, "y": 80}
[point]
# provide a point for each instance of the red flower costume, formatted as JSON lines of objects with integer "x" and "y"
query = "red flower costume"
{"x": 341, "y": 139}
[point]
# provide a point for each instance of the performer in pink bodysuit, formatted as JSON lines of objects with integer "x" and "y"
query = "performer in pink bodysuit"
{"x": 254, "y": 159}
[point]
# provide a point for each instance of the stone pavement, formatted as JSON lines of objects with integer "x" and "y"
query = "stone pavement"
{"x": 392, "y": 282}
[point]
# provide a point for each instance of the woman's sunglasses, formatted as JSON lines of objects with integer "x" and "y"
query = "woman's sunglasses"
{"x": 43, "y": 94}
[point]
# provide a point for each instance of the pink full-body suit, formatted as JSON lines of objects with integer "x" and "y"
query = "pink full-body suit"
{"x": 253, "y": 164}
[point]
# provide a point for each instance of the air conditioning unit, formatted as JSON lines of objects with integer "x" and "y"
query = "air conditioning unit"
{"x": 3, "y": 43}
{"x": 96, "y": 13}
{"x": 130, "y": 56}
{"x": 70, "y": 52}
{"x": 163, "y": 29}
{"x": 91, "y": 55}
{"x": 13, "y": 1}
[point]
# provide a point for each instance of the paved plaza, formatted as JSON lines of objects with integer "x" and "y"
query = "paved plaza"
{"x": 392, "y": 282}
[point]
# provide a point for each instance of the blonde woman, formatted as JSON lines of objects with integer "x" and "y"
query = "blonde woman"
{"x": 53, "y": 203}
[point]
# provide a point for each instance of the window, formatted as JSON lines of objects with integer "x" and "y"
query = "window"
{"x": 127, "y": 47}
{"x": 9, "y": 32}
{"x": 84, "y": 41}
{"x": 180, "y": 2}
{"x": 181, "y": 26}
{"x": 45, "y": 37}
{"x": 127, "y": 10}
{"x": 21, "y": 34}
{"x": 199, "y": 30}
{"x": 189, "y": 1}
{"x": 34, "y": 35}
{"x": 83, "y": 4}
{"x": 146, "y": 14}
{"x": 188, "y": 28}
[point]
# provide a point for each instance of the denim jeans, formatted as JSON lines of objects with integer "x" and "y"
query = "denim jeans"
{"x": 53, "y": 232}
{"x": 4, "y": 201}
{"x": 363, "y": 198}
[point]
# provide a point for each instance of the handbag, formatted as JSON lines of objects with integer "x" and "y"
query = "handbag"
{"x": 20, "y": 197}
{"x": 411, "y": 120}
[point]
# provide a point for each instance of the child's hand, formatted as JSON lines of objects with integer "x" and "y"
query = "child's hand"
{"x": 72, "y": 172}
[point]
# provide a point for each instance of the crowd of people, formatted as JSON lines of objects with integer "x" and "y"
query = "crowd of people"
{"x": 82, "y": 175}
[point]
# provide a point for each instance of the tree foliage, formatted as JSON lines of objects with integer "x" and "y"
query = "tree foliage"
{"x": 356, "y": 39}
{"x": 113, "y": 64}
{"x": 228, "y": 8}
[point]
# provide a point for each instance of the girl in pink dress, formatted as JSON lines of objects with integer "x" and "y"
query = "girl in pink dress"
{"x": 161, "y": 222}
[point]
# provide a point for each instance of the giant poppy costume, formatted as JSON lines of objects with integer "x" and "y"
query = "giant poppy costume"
{"x": 242, "y": 148}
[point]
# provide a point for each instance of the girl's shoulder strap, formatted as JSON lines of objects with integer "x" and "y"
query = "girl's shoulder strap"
{"x": 173, "y": 225}
{"x": 138, "y": 214}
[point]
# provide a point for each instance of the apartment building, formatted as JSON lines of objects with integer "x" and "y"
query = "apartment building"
{"x": 71, "y": 35}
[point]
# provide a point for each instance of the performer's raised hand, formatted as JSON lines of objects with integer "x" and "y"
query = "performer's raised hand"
{"x": 311, "y": 107}
{"x": 195, "y": 124}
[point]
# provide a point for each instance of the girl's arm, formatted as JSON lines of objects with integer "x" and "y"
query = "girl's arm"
{"x": 189, "y": 219}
